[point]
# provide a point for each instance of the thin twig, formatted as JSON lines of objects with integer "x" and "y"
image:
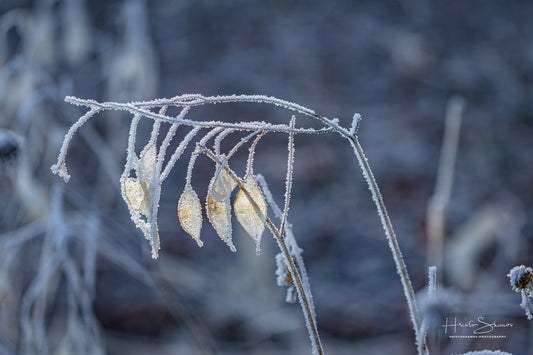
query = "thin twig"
{"x": 288, "y": 181}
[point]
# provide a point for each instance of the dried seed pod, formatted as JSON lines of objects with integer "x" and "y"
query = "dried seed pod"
{"x": 134, "y": 194}
{"x": 221, "y": 185}
{"x": 521, "y": 278}
{"x": 219, "y": 214}
{"x": 147, "y": 164}
{"x": 251, "y": 215}
{"x": 190, "y": 213}
{"x": 142, "y": 193}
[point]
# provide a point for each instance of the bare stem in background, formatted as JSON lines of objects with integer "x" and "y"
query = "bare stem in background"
{"x": 438, "y": 203}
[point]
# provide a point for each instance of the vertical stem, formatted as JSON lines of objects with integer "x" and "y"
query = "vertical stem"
{"x": 301, "y": 286}
{"x": 391, "y": 237}
{"x": 438, "y": 203}
{"x": 305, "y": 301}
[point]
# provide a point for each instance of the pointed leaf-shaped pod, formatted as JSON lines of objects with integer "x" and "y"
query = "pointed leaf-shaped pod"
{"x": 134, "y": 194}
{"x": 147, "y": 164}
{"x": 190, "y": 213}
{"x": 251, "y": 216}
{"x": 219, "y": 214}
{"x": 221, "y": 185}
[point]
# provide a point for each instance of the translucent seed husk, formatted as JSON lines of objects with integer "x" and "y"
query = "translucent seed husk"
{"x": 251, "y": 218}
{"x": 190, "y": 213}
{"x": 219, "y": 215}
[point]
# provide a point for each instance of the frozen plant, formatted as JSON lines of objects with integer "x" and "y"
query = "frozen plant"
{"x": 521, "y": 278}
{"x": 144, "y": 172}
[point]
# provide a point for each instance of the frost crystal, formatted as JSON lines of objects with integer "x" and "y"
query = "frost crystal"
{"x": 521, "y": 278}
{"x": 527, "y": 304}
{"x": 283, "y": 277}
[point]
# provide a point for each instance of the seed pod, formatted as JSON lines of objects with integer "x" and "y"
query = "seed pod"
{"x": 521, "y": 278}
{"x": 134, "y": 194}
{"x": 221, "y": 185}
{"x": 251, "y": 215}
{"x": 219, "y": 215}
{"x": 190, "y": 213}
{"x": 148, "y": 163}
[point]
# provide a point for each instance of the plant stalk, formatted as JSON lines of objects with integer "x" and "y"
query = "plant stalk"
{"x": 305, "y": 300}
{"x": 391, "y": 238}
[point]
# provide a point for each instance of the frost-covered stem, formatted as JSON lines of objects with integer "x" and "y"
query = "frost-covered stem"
{"x": 142, "y": 108}
{"x": 60, "y": 167}
{"x": 305, "y": 301}
{"x": 432, "y": 290}
{"x": 178, "y": 152}
{"x": 251, "y": 153}
{"x": 200, "y": 144}
{"x": 289, "y": 237}
{"x": 391, "y": 237}
{"x": 288, "y": 181}
{"x": 170, "y": 134}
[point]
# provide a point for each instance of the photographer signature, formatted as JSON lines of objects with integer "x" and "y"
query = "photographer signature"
{"x": 479, "y": 327}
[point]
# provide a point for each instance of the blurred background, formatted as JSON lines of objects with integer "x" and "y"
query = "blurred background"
{"x": 76, "y": 276}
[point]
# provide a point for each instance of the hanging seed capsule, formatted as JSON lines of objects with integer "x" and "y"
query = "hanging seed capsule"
{"x": 190, "y": 213}
{"x": 134, "y": 194}
{"x": 250, "y": 215}
{"x": 221, "y": 185}
{"x": 219, "y": 215}
{"x": 148, "y": 163}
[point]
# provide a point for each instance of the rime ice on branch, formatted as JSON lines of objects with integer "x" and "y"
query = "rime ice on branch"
{"x": 144, "y": 172}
